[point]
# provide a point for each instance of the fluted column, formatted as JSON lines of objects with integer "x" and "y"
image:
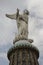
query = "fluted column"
{"x": 23, "y": 53}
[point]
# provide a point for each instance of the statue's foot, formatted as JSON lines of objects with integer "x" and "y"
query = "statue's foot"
{"x": 30, "y": 40}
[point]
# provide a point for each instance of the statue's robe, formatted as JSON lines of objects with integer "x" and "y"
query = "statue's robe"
{"x": 22, "y": 23}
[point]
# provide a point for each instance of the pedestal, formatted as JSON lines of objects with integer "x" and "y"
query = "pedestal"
{"x": 23, "y": 53}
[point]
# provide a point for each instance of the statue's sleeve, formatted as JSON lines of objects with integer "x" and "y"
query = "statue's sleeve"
{"x": 13, "y": 16}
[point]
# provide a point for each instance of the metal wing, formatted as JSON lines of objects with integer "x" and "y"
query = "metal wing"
{"x": 13, "y": 16}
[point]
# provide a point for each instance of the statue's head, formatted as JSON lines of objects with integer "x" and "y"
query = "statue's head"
{"x": 26, "y": 12}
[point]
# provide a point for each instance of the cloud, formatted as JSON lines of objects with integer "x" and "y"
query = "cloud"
{"x": 3, "y": 59}
{"x": 6, "y": 32}
{"x": 36, "y": 8}
{"x": 4, "y": 55}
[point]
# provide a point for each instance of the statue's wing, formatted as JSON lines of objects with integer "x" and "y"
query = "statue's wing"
{"x": 13, "y": 16}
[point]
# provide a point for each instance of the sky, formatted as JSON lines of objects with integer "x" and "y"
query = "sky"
{"x": 8, "y": 27}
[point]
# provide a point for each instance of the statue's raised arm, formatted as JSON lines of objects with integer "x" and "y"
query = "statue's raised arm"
{"x": 13, "y": 16}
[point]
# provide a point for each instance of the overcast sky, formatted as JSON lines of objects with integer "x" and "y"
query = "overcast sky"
{"x": 8, "y": 27}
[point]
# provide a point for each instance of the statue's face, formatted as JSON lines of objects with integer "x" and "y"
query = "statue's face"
{"x": 26, "y": 12}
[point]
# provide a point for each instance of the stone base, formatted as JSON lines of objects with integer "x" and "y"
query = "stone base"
{"x": 23, "y": 53}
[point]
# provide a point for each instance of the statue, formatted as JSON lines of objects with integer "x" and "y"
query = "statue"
{"x": 22, "y": 23}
